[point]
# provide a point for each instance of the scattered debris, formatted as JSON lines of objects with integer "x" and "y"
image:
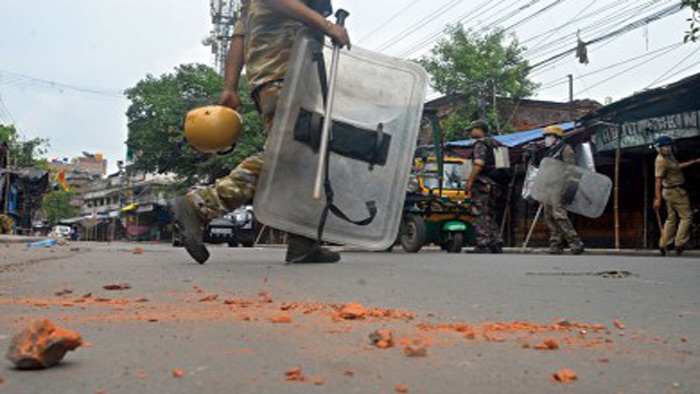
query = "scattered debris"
{"x": 402, "y": 388}
{"x": 137, "y": 250}
{"x": 264, "y": 297}
{"x": 142, "y": 374}
{"x": 63, "y": 292}
{"x": 281, "y": 319}
{"x": 2, "y": 380}
{"x": 349, "y": 373}
{"x": 117, "y": 286}
{"x": 209, "y": 298}
{"x": 382, "y": 338}
{"x": 318, "y": 382}
{"x": 416, "y": 348}
{"x": 565, "y": 375}
{"x": 619, "y": 324}
{"x": 352, "y": 311}
{"x": 42, "y": 345}
{"x": 295, "y": 375}
{"x": 178, "y": 373}
{"x": 548, "y": 344}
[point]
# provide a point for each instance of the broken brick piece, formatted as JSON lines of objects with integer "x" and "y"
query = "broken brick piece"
{"x": 137, "y": 250}
{"x": 295, "y": 375}
{"x": 353, "y": 311}
{"x": 349, "y": 373}
{"x": 117, "y": 286}
{"x": 178, "y": 373}
{"x": 265, "y": 297}
{"x": 209, "y": 298}
{"x": 42, "y": 345}
{"x": 382, "y": 338}
{"x": 620, "y": 325}
{"x": 64, "y": 292}
{"x": 551, "y": 344}
{"x": 565, "y": 375}
{"x": 402, "y": 388}
{"x": 417, "y": 348}
{"x": 281, "y": 319}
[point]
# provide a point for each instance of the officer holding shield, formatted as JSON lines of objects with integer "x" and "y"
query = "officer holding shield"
{"x": 262, "y": 42}
{"x": 561, "y": 230}
{"x": 669, "y": 185}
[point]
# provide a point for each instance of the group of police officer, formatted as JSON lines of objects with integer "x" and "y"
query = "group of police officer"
{"x": 262, "y": 43}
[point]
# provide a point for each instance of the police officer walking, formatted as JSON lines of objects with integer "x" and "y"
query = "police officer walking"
{"x": 484, "y": 190}
{"x": 262, "y": 42}
{"x": 561, "y": 231}
{"x": 669, "y": 185}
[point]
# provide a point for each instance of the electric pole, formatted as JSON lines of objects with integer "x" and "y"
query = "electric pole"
{"x": 223, "y": 17}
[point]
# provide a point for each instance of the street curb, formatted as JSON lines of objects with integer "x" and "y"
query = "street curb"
{"x": 19, "y": 239}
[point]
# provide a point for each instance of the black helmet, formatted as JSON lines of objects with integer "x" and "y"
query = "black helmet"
{"x": 481, "y": 124}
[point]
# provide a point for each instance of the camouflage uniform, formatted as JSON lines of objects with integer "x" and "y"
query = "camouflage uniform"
{"x": 268, "y": 38}
{"x": 484, "y": 194}
{"x": 556, "y": 217}
{"x": 677, "y": 202}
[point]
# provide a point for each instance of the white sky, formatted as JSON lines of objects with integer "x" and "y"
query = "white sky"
{"x": 109, "y": 45}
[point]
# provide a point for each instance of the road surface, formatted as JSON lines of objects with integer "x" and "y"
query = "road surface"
{"x": 238, "y": 323}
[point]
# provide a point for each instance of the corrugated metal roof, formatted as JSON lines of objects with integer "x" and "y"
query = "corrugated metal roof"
{"x": 514, "y": 139}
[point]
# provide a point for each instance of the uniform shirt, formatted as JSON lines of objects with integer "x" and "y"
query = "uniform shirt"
{"x": 268, "y": 37}
{"x": 480, "y": 153}
{"x": 668, "y": 169}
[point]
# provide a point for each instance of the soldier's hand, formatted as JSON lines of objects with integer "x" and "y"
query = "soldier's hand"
{"x": 339, "y": 35}
{"x": 657, "y": 204}
{"x": 231, "y": 99}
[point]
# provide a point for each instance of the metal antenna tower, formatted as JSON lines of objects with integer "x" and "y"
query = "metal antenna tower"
{"x": 223, "y": 17}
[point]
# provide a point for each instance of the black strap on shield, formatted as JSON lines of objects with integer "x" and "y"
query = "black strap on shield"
{"x": 327, "y": 185}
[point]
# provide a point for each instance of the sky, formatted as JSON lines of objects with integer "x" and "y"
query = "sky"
{"x": 103, "y": 47}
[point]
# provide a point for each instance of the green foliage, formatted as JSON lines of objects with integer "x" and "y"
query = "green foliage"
{"x": 693, "y": 33}
{"x": 478, "y": 66}
{"x": 156, "y": 120}
{"x": 23, "y": 152}
{"x": 56, "y": 205}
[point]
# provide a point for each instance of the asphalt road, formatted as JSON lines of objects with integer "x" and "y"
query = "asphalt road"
{"x": 214, "y": 321}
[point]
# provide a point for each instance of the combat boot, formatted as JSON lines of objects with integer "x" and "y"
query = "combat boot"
{"x": 302, "y": 250}
{"x": 556, "y": 249}
{"x": 189, "y": 225}
{"x": 480, "y": 249}
{"x": 577, "y": 247}
{"x": 496, "y": 248}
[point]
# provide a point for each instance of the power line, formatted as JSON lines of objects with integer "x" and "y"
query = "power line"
{"x": 388, "y": 21}
{"x": 5, "y": 112}
{"x": 673, "y": 68}
{"x": 536, "y": 14}
{"x": 565, "y": 24}
{"x": 680, "y": 71}
{"x": 34, "y": 81}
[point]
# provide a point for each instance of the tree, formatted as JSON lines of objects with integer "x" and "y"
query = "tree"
{"x": 23, "y": 152}
{"x": 56, "y": 205}
{"x": 156, "y": 120}
{"x": 480, "y": 67}
{"x": 693, "y": 33}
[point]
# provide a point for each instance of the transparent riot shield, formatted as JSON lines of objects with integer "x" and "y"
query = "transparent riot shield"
{"x": 577, "y": 189}
{"x": 376, "y": 119}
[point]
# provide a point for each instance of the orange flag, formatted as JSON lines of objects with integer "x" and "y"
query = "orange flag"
{"x": 61, "y": 178}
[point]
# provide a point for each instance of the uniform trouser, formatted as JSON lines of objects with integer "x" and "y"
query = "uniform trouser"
{"x": 484, "y": 195}
{"x": 238, "y": 187}
{"x": 678, "y": 206}
{"x": 560, "y": 227}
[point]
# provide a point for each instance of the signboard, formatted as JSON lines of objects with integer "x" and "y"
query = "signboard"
{"x": 644, "y": 132}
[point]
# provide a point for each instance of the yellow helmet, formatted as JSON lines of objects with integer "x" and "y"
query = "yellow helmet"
{"x": 213, "y": 128}
{"x": 554, "y": 130}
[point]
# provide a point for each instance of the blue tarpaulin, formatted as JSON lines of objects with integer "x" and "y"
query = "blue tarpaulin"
{"x": 515, "y": 139}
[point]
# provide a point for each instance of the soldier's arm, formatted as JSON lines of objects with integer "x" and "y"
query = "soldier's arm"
{"x": 659, "y": 174}
{"x": 296, "y": 9}
{"x": 232, "y": 75}
{"x": 479, "y": 161}
{"x": 689, "y": 163}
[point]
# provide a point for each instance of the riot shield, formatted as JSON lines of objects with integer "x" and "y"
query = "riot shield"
{"x": 576, "y": 189}
{"x": 376, "y": 119}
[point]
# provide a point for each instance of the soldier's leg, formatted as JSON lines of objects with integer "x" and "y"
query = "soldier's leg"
{"x": 480, "y": 212}
{"x": 556, "y": 240}
{"x": 682, "y": 206}
{"x": 671, "y": 224}
{"x": 496, "y": 241}
{"x": 567, "y": 230}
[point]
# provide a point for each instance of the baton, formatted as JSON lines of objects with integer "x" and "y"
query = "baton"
{"x": 327, "y": 121}
{"x": 532, "y": 228}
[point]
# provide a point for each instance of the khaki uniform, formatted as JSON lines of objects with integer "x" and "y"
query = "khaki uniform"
{"x": 677, "y": 201}
{"x": 556, "y": 217}
{"x": 268, "y": 38}
{"x": 485, "y": 192}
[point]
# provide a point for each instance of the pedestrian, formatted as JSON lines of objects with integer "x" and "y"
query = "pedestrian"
{"x": 484, "y": 190}
{"x": 262, "y": 41}
{"x": 561, "y": 231}
{"x": 669, "y": 185}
